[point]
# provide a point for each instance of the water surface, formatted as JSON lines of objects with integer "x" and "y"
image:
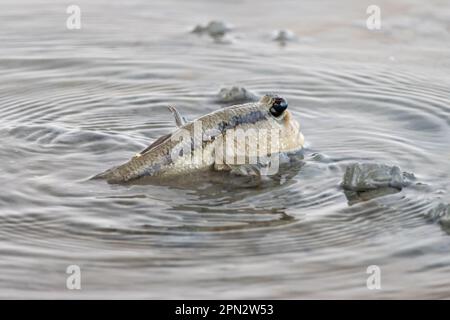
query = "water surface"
{"x": 75, "y": 102}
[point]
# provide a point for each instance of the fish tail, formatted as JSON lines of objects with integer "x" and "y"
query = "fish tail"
{"x": 110, "y": 175}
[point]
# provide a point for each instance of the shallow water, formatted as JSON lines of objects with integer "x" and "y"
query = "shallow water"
{"x": 75, "y": 102}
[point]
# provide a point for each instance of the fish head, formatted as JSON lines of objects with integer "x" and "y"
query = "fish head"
{"x": 289, "y": 129}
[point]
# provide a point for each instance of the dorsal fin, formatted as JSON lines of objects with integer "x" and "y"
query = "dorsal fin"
{"x": 179, "y": 119}
{"x": 155, "y": 143}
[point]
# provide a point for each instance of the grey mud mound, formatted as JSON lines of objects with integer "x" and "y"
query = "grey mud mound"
{"x": 441, "y": 214}
{"x": 283, "y": 36}
{"x": 215, "y": 29}
{"x": 236, "y": 95}
{"x": 370, "y": 176}
{"x": 366, "y": 181}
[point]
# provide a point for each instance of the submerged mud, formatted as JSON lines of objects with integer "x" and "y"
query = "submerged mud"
{"x": 74, "y": 102}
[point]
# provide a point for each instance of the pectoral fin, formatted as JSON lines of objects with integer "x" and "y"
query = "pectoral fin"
{"x": 179, "y": 119}
{"x": 240, "y": 170}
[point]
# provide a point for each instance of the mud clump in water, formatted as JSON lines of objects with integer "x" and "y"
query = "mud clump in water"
{"x": 236, "y": 95}
{"x": 283, "y": 36}
{"x": 370, "y": 176}
{"x": 215, "y": 29}
{"x": 365, "y": 181}
{"x": 441, "y": 214}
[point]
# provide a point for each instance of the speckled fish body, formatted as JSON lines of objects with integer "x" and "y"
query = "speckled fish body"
{"x": 216, "y": 141}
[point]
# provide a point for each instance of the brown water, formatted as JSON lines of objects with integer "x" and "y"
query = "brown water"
{"x": 75, "y": 102}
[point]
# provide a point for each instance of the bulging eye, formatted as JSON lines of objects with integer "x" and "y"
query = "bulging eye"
{"x": 278, "y": 106}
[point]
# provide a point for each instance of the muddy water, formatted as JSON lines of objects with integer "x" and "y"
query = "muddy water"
{"x": 75, "y": 102}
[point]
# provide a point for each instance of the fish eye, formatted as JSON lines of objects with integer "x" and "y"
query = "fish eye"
{"x": 278, "y": 106}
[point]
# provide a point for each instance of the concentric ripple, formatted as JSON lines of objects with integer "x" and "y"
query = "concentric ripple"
{"x": 74, "y": 104}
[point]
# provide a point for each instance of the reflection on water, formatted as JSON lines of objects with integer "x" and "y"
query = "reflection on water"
{"x": 355, "y": 197}
{"x": 73, "y": 103}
